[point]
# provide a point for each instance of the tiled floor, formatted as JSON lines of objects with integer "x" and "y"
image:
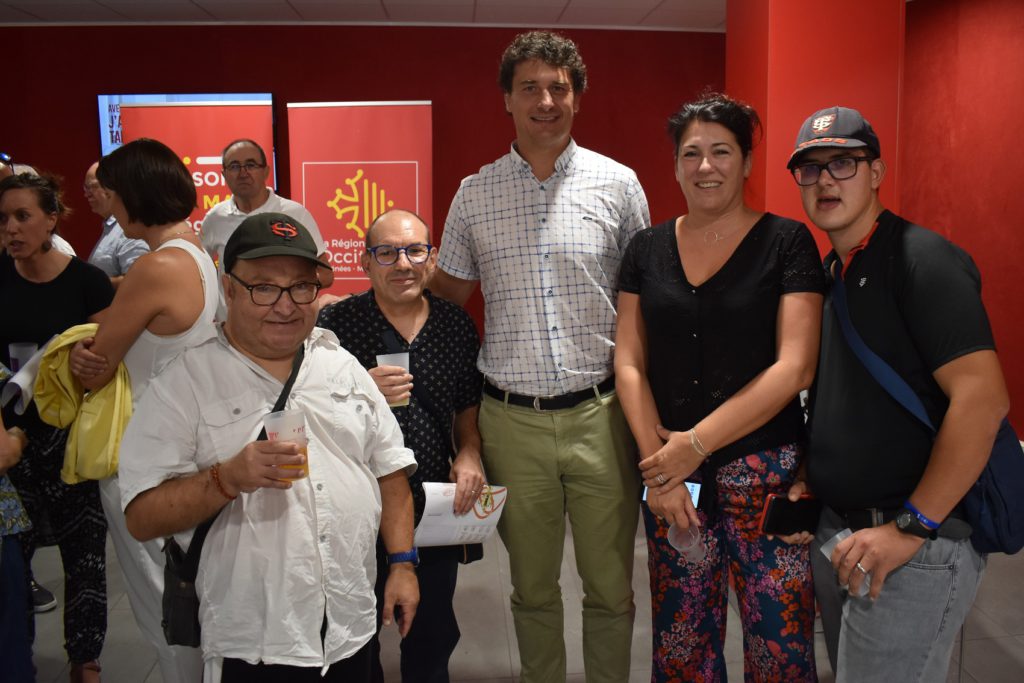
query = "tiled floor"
{"x": 487, "y": 652}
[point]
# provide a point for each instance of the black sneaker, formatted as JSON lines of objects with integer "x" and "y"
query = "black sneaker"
{"x": 42, "y": 599}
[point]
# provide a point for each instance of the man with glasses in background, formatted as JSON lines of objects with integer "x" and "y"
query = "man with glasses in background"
{"x": 287, "y": 570}
{"x": 114, "y": 253}
{"x": 245, "y": 172}
{"x": 436, "y": 399}
{"x": 914, "y": 299}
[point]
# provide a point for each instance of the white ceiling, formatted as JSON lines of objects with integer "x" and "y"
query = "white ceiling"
{"x": 670, "y": 15}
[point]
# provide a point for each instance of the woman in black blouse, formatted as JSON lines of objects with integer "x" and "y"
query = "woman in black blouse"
{"x": 718, "y": 331}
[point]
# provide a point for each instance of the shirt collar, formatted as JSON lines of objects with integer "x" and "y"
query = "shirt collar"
{"x": 317, "y": 337}
{"x": 563, "y": 164}
{"x": 238, "y": 212}
{"x": 859, "y": 247}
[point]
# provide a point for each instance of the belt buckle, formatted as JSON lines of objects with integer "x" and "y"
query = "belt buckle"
{"x": 536, "y": 404}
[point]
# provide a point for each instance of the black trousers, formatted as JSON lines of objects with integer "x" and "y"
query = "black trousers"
{"x": 354, "y": 669}
{"x": 434, "y": 633}
{"x": 80, "y": 531}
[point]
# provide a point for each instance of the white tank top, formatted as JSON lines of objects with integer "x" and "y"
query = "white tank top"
{"x": 150, "y": 353}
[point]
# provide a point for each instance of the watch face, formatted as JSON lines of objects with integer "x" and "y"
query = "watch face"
{"x": 904, "y": 519}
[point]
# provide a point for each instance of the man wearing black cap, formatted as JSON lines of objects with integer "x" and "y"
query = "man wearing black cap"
{"x": 287, "y": 571}
{"x": 914, "y": 299}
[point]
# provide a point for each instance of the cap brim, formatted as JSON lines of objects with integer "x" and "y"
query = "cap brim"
{"x": 278, "y": 250}
{"x": 837, "y": 143}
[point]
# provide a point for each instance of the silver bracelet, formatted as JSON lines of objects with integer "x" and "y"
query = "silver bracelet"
{"x": 697, "y": 445}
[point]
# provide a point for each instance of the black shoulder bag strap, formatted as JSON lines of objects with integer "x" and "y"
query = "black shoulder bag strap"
{"x": 199, "y": 536}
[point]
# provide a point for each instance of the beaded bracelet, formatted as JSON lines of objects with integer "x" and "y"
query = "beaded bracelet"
{"x": 215, "y": 475}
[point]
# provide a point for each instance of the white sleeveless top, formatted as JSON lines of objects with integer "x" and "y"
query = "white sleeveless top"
{"x": 150, "y": 352}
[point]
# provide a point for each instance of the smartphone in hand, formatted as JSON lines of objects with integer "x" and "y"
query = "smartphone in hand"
{"x": 782, "y": 517}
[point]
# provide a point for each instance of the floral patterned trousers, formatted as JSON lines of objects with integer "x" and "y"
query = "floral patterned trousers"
{"x": 772, "y": 581}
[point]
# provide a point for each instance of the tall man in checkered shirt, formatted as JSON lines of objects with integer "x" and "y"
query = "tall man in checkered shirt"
{"x": 543, "y": 229}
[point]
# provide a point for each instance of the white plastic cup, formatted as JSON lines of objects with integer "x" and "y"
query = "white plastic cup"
{"x": 688, "y": 542}
{"x": 21, "y": 353}
{"x": 289, "y": 425}
{"x": 402, "y": 361}
{"x": 829, "y": 547}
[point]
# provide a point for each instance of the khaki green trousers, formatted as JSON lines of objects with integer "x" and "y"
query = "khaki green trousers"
{"x": 579, "y": 461}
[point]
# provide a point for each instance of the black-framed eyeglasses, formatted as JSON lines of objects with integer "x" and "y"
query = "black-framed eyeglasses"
{"x": 267, "y": 295}
{"x": 249, "y": 166}
{"x": 387, "y": 255}
{"x": 840, "y": 168}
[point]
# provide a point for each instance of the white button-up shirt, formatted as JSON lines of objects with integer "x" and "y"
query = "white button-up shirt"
{"x": 547, "y": 255}
{"x": 276, "y": 561}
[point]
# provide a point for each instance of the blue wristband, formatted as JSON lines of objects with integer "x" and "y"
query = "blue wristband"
{"x": 929, "y": 524}
{"x": 408, "y": 556}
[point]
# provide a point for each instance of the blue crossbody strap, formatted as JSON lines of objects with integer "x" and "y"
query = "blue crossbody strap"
{"x": 883, "y": 373}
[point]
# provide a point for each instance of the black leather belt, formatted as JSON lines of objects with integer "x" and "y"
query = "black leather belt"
{"x": 870, "y": 517}
{"x": 952, "y": 527}
{"x": 562, "y": 402}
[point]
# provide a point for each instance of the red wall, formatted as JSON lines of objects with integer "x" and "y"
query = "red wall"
{"x": 961, "y": 160}
{"x": 637, "y": 79}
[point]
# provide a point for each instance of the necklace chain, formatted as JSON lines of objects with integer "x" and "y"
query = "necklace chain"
{"x": 170, "y": 237}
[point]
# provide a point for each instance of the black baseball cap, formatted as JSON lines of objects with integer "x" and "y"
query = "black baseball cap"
{"x": 270, "y": 234}
{"x": 835, "y": 127}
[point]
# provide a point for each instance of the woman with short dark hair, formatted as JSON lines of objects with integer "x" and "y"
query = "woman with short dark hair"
{"x": 165, "y": 304}
{"x": 719, "y": 317}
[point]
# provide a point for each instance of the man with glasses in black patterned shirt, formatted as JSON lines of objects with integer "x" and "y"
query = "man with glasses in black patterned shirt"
{"x": 439, "y": 398}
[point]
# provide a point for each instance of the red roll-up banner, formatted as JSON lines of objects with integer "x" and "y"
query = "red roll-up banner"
{"x": 198, "y": 133}
{"x": 352, "y": 161}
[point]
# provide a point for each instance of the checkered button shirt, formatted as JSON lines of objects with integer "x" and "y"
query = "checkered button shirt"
{"x": 547, "y": 254}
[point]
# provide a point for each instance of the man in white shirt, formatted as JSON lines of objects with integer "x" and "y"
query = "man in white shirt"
{"x": 245, "y": 171}
{"x": 114, "y": 253}
{"x": 287, "y": 571}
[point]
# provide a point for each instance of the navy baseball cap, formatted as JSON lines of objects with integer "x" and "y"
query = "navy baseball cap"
{"x": 839, "y": 127}
{"x": 270, "y": 234}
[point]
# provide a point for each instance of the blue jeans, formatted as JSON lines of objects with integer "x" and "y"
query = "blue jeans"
{"x": 15, "y": 647}
{"x": 907, "y": 633}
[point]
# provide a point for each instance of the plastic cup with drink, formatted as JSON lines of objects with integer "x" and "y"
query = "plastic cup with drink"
{"x": 289, "y": 425}
{"x": 829, "y": 547}
{"x": 687, "y": 541}
{"x": 21, "y": 353}
{"x": 402, "y": 361}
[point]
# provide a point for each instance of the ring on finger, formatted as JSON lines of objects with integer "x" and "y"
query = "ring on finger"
{"x": 861, "y": 569}
{"x": 661, "y": 478}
